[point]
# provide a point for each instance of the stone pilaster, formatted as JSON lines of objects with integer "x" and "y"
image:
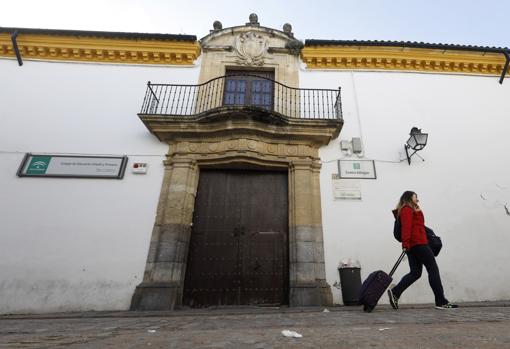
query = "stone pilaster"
{"x": 320, "y": 265}
{"x": 163, "y": 280}
{"x": 308, "y": 286}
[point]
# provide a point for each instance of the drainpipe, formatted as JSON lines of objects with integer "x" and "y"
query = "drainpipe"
{"x": 505, "y": 68}
{"x": 16, "y": 48}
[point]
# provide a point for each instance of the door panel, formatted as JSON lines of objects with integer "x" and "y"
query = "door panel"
{"x": 239, "y": 243}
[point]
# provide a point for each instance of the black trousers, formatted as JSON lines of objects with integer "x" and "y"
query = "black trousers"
{"x": 418, "y": 257}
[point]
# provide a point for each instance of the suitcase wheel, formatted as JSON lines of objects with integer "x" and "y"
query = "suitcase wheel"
{"x": 367, "y": 308}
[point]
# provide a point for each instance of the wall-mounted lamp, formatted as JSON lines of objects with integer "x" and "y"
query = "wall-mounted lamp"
{"x": 416, "y": 142}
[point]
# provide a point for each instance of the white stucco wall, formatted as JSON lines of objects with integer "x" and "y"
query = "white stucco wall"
{"x": 81, "y": 244}
{"x": 76, "y": 244}
{"x": 463, "y": 184}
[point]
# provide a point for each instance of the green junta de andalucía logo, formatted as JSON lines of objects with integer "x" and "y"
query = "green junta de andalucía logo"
{"x": 356, "y": 166}
{"x": 38, "y": 164}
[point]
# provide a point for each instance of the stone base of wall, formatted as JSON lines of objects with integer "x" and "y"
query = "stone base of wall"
{"x": 155, "y": 297}
{"x": 313, "y": 294}
{"x": 326, "y": 294}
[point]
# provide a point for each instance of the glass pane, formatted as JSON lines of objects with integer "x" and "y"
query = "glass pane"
{"x": 229, "y": 98}
{"x": 256, "y": 86}
{"x": 241, "y": 85}
{"x": 266, "y": 99}
{"x": 421, "y": 138}
{"x": 266, "y": 86}
{"x": 411, "y": 142}
{"x": 231, "y": 85}
{"x": 239, "y": 99}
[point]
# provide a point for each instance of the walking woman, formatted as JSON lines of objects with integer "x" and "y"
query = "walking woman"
{"x": 419, "y": 254}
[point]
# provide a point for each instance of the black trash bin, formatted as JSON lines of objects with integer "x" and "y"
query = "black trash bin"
{"x": 350, "y": 283}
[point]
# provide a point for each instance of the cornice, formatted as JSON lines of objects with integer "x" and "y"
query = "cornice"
{"x": 100, "y": 49}
{"x": 358, "y": 57}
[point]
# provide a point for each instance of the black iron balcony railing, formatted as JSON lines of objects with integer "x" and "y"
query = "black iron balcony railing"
{"x": 241, "y": 91}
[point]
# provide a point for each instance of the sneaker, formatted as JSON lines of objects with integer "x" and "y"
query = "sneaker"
{"x": 393, "y": 299}
{"x": 447, "y": 306}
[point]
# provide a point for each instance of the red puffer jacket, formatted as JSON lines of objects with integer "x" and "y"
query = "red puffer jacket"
{"x": 413, "y": 227}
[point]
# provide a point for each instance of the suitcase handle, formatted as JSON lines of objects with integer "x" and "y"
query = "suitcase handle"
{"x": 398, "y": 262}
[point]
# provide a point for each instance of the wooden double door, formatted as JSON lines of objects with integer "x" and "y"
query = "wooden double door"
{"x": 238, "y": 252}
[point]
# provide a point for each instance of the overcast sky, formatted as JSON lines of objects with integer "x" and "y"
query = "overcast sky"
{"x": 474, "y": 22}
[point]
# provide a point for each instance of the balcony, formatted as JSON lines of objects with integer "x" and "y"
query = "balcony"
{"x": 246, "y": 92}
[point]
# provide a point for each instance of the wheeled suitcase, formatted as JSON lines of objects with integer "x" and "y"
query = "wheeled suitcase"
{"x": 374, "y": 286}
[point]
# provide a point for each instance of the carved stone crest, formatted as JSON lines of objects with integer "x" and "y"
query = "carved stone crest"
{"x": 251, "y": 48}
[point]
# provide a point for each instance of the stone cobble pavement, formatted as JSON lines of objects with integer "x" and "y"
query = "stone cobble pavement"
{"x": 471, "y": 326}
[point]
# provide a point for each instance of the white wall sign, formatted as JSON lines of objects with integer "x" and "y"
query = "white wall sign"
{"x": 346, "y": 189}
{"x": 362, "y": 169}
{"x": 65, "y": 166}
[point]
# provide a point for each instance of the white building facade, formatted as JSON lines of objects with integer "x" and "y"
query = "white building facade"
{"x": 75, "y": 244}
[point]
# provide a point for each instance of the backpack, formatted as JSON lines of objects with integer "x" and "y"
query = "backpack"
{"x": 435, "y": 242}
{"x": 397, "y": 230}
{"x": 397, "y": 226}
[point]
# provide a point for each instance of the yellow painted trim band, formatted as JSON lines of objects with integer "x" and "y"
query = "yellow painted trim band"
{"x": 96, "y": 49}
{"x": 402, "y": 59}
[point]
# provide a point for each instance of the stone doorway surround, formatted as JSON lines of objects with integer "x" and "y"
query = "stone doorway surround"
{"x": 243, "y": 138}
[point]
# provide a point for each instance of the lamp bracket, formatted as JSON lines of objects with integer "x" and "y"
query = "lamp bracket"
{"x": 407, "y": 147}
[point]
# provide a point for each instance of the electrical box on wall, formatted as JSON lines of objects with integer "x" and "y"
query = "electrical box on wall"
{"x": 344, "y": 145}
{"x": 356, "y": 145}
{"x": 139, "y": 167}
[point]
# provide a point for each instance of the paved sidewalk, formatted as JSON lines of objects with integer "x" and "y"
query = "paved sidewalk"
{"x": 478, "y": 325}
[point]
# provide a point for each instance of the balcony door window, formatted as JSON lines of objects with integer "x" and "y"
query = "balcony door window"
{"x": 249, "y": 88}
